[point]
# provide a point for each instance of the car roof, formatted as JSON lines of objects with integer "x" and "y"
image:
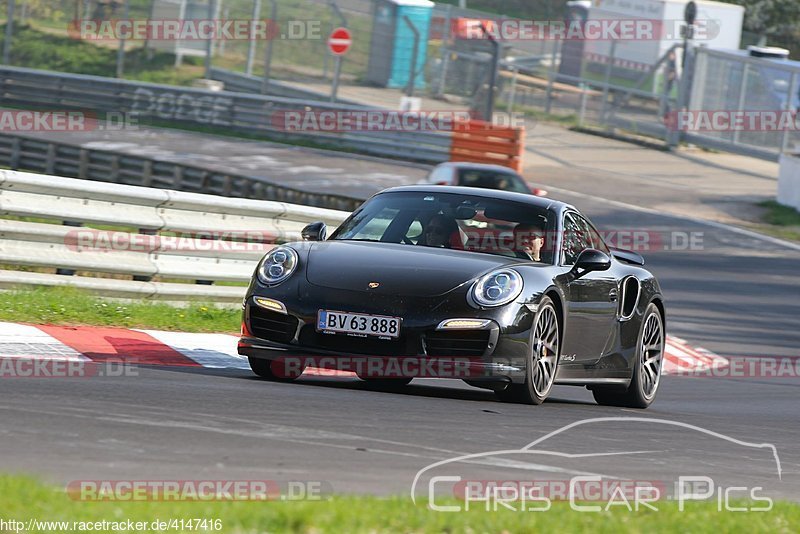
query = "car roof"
{"x": 525, "y": 198}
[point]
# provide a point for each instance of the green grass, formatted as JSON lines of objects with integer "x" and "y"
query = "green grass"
{"x": 69, "y": 306}
{"x": 36, "y": 49}
{"x": 780, "y": 215}
{"x": 25, "y": 498}
{"x": 781, "y": 221}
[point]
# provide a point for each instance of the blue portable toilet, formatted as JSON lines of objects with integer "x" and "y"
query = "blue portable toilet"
{"x": 393, "y": 42}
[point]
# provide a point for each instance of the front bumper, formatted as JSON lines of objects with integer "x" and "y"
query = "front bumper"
{"x": 494, "y": 353}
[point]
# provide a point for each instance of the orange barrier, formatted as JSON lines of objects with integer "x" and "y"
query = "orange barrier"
{"x": 483, "y": 142}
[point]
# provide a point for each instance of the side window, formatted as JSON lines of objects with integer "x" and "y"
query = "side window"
{"x": 593, "y": 237}
{"x": 574, "y": 241}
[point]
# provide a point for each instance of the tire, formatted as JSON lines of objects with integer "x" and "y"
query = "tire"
{"x": 542, "y": 365}
{"x": 646, "y": 370}
{"x": 270, "y": 370}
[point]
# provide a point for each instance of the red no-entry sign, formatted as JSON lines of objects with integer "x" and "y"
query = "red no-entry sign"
{"x": 339, "y": 42}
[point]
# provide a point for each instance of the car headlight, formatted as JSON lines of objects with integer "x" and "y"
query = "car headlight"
{"x": 277, "y": 266}
{"x": 497, "y": 288}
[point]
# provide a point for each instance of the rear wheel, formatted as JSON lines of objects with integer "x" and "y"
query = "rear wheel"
{"x": 540, "y": 372}
{"x": 273, "y": 370}
{"x": 646, "y": 370}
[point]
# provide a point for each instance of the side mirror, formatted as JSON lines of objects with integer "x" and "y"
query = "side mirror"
{"x": 593, "y": 260}
{"x": 315, "y": 231}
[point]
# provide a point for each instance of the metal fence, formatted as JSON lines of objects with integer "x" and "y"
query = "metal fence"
{"x": 299, "y": 51}
{"x": 731, "y": 82}
{"x": 605, "y": 94}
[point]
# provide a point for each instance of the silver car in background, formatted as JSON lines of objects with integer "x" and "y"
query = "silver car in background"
{"x": 482, "y": 175}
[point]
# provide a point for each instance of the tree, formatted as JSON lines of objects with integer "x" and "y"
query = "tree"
{"x": 778, "y": 21}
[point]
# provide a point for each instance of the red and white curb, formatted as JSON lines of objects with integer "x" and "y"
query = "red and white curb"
{"x": 214, "y": 351}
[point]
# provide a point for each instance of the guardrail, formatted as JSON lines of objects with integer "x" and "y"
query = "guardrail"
{"x": 19, "y": 152}
{"x": 161, "y": 236}
{"x": 231, "y": 111}
{"x": 247, "y": 83}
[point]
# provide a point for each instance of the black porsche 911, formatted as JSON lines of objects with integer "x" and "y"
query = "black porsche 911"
{"x": 520, "y": 291}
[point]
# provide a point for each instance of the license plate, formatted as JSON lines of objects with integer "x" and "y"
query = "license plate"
{"x": 358, "y": 324}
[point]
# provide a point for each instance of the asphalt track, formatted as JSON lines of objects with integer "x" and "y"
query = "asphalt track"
{"x": 737, "y": 296}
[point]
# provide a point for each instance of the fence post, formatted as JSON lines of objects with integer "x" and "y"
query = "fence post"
{"x": 742, "y": 95}
{"x": 512, "y": 92}
{"x": 445, "y": 52}
{"x": 550, "y": 78}
{"x": 225, "y": 16}
{"x": 584, "y": 94}
{"x": 273, "y": 14}
{"x": 62, "y": 271}
{"x": 337, "y": 69}
{"x": 788, "y": 109}
{"x": 121, "y": 49}
{"x": 607, "y": 81}
{"x": 489, "y": 112}
{"x": 146, "y": 45}
{"x": 251, "y": 45}
{"x": 211, "y": 13}
{"x": 9, "y": 32}
{"x": 686, "y": 88}
{"x": 412, "y": 75}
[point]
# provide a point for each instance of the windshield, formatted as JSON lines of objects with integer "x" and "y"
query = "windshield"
{"x": 492, "y": 180}
{"x": 453, "y": 221}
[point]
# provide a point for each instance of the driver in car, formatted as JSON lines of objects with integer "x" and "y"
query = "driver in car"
{"x": 529, "y": 240}
{"x": 441, "y": 231}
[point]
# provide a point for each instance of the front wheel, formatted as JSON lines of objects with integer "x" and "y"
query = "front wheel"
{"x": 646, "y": 370}
{"x": 273, "y": 370}
{"x": 540, "y": 372}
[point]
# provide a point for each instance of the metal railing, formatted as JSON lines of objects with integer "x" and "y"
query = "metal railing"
{"x": 161, "y": 236}
{"x": 241, "y": 82}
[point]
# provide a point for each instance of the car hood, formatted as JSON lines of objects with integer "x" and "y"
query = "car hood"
{"x": 403, "y": 270}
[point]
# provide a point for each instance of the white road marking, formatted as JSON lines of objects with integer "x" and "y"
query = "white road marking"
{"x": 27, "y": 341}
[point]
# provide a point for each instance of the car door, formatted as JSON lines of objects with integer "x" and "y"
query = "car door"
{"x": 592, "y": 297}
